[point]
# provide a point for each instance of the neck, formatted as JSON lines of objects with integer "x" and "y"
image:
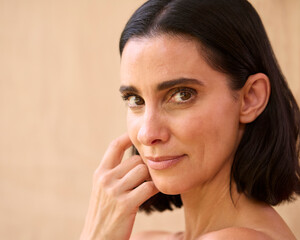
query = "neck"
{"x": 210, "y": 207}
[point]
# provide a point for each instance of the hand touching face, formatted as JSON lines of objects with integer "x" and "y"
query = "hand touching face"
{"x": 119, "y": 188}
{"x": 182, "y": 116}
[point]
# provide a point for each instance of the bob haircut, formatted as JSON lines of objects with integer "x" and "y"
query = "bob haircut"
{"x": 234, "y": 41}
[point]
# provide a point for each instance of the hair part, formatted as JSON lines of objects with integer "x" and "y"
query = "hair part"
{"x": 233, "y": 41}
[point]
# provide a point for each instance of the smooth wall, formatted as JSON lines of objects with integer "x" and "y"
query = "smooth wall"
{"x": 60, "y": 108}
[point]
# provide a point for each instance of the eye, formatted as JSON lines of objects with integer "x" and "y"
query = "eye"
{"x": 133, "y": 100}
{"x": 183, "y": 95}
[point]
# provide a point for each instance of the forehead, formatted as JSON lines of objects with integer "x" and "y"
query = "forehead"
{"x": 161, "y": 58}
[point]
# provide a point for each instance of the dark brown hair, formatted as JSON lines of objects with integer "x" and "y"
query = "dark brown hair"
{"x": 266, "y": 164}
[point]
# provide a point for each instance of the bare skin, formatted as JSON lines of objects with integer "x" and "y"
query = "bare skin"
{"x": 186, "y": 123}
{"x": 247, "y": 220}
{"x": 119, "y": 188}
{"x": 262, "y": 222}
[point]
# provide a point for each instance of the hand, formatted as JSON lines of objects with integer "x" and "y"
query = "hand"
{"x": 119, "y": 188}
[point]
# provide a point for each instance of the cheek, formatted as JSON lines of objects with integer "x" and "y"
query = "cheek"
{"x": 221, "y": 128}
{"x": 211, "y": 133}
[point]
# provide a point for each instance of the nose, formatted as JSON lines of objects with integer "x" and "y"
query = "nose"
{"x": 153, "y": 128}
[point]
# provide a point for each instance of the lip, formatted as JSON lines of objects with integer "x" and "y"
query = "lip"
{"x": 163, "y": 162}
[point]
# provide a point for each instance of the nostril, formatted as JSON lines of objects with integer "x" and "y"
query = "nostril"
{"x": 152, "y": 131}
{"x": 148, "y": 138}
{"x": 155, "y": 141}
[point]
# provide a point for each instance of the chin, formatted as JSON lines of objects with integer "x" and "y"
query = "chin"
{"x": 168, "y": 187}
{"x": 169, "y": 191}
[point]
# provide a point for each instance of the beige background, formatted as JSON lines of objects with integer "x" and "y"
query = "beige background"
{"x": 60, "y": 107}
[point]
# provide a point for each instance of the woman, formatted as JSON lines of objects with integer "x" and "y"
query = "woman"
{"x": 213, "y": 122}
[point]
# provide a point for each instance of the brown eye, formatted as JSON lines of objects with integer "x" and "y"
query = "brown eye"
{"x": 183, "y": 95}
{"x": 134, "y": 101}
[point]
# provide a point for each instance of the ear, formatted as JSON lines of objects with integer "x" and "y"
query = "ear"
{"x": 254, "y": 97}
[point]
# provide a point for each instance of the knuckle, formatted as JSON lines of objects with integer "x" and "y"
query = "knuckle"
{"x": 148, "y": 187}
{"x": 103, "y": 179}
{"x": 142, "y": 168}
{"x": 137, "y": 159}
{"x": 115, "y": 143}
{"x": 133, "y": 161}
{"x": 124, "y": 203}
{"x": 97, "y": 173}
{"x": 112, "y": 192}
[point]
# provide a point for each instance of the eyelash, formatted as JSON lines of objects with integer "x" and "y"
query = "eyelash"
{"x": 191, "y": 91}
{"x": 172, "y": 93}
{"x": 126, "y": 97}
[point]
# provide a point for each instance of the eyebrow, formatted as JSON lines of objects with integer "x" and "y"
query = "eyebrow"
{"x": 172, "y": 83}
{"x": 164, "y": 85}
{"x": 128, "y": 89}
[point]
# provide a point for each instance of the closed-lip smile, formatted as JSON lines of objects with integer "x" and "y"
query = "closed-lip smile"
{"x": 163, "y": 162}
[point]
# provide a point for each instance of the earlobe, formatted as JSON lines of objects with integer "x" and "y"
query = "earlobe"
{"x": 254, "y": 97}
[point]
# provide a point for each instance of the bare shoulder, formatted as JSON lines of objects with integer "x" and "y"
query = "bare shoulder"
{"x": 159, "y": 235}
{"x": 235, "y": 233}
{"x": 224, "y": 234}
{"x": 232, "y": 233}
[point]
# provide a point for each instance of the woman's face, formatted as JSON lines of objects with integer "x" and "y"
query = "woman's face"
{"x": 182, "y": 116}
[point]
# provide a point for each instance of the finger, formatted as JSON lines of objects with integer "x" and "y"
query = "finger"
{"x": 134, "y": 178}
{"x": 110, "y": 177}
{"x": 114, "y": 154}
{"x": 143, "y": 192}
{"x": 125, "y": 166}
